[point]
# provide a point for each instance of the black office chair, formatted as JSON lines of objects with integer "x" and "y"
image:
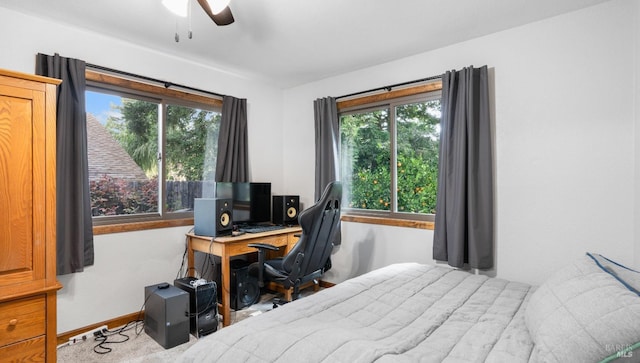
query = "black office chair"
{"x": 309, "y": 258}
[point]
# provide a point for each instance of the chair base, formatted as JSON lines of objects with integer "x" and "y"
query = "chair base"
{"x": 278, "y": 301}
{"x": 288, "y": 293}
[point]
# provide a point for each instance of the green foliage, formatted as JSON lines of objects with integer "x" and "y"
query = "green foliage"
{"x": 418, "y": 142}
{"x": 191, "y": 148}
{"x": 417, "y": 185}
{"x": 191, "y": 138}
{"x": 192, "y": 143}
{"x": 366, "y": 157}
{"x": 137, "y": 132}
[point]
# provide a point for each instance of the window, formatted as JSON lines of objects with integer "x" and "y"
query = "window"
{"x": 150, "y": 153}
{"x": 389, "y": 156}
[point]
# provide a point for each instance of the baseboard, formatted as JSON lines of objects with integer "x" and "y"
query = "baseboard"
{"x": 112, "y": 323}
{"x": 122, "y": 320}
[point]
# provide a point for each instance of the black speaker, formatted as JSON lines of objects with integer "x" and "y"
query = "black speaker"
{"x": 166, "y": 314}
{"x": 212, "y": 217}
{"x": 285, "y": 209}
{"x": 245, "y": 290}
{"x": 203, "y": 304}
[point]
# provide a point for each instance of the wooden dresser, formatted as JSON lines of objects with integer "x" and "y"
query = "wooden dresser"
{"x": 28, "y": 282}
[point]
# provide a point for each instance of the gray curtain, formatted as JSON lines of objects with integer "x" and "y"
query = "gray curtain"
{"x": 327, "y": 143}
{"x": 327, "y": 146}
{"x": 232, "y": 164}
{"x": 74, "y": 225}
{"x": 464, "y": 207}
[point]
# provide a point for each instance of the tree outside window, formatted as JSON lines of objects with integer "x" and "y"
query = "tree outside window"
{"x": 389, "y": 157}
{"x": 135, "y": 167}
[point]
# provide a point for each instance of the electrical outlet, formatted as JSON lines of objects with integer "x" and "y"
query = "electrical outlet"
{"x": 86, "y": 335}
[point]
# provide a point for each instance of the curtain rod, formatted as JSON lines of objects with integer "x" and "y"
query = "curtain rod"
{"x": 389, "y": 87}
{"x": 164, "y": 83}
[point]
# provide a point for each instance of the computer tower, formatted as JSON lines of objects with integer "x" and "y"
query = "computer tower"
{"x": 245, "y": 290}
{"x": 166, "y": 314}
{"x": 285, "y": 209}
{"x": 203, "y": 305}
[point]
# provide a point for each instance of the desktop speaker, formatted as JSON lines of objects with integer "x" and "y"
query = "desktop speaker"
{"x": 285, "y": 209}
{"x": 166, "y": 314}
{"x": 245, "y": 290}
{"x": 203, "y": 304}
{"x": 212, "y": 217}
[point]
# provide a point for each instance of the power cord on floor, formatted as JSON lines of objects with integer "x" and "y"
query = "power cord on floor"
{"x": 108, "y": 337}
{"x": 103, "y": 337}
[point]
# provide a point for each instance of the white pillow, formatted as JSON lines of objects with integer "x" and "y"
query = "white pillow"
{"x": 583, "y": 313}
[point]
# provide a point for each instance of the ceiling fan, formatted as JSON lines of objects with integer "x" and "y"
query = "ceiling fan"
{"x": 218, "y": 10}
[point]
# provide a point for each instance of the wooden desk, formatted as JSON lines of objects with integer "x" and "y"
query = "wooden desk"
{"x": 228, "y": 246}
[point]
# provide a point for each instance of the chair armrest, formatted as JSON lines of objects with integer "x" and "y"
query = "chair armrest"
{"x": 263, "y": 246}
{"x": 261, "y": 256}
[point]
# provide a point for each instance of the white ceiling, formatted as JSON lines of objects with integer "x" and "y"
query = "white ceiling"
{"x": 292, "y": 42}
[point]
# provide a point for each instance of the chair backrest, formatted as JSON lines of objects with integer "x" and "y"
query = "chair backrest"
{"x": 319, "y": 224}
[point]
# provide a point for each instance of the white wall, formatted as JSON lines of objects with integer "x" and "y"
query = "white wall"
{"x": 114, "y": 286}
{"x": 564, "y": 142}
{"x": 126, "y": 262}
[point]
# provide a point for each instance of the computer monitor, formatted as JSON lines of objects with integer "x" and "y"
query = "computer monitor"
{"x": 251, "y": 201}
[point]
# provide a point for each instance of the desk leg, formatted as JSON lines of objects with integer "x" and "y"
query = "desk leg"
{"x": 225, "y": 269}
{"x": 190, "y": 259}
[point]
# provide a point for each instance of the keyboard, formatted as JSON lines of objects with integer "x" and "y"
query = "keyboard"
{"x": 259, "y": 228}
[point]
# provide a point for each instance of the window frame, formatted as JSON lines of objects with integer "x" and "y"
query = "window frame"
{"x": 125, "y": 87}
{"x": 391, "y": 99}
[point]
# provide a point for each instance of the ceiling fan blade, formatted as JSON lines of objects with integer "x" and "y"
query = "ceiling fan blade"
{"x": 222, "y": 18}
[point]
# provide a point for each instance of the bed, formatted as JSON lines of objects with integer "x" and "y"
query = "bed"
{"x": 587, "y": 312}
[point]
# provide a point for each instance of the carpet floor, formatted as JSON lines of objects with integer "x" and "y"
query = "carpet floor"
{"x": 135, "y": 346}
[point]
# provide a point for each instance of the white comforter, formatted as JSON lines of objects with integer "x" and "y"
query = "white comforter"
{"x": 400, "y": 313}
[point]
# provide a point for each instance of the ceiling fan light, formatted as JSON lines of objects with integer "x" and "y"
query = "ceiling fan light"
{"x": 178, "y": 7}
{"x": 218, "y": 5}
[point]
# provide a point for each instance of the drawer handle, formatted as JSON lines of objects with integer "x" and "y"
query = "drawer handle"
{"x": 13, "y": 322}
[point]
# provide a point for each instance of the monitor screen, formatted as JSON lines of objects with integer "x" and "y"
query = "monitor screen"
{"x": 251, "y": 201}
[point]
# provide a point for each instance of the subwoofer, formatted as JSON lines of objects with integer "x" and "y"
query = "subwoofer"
{"x": 166, "y": 314}
{"x": 212, "y": 217}
{"x": 245, "y": 290}
{"x": 285, "y": 209}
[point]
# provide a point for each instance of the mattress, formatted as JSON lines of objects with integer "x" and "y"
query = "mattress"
{"x": 400, "y": 313}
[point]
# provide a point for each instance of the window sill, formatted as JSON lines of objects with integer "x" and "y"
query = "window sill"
{"x": 141, "y": 226}
{"x": 388, "y": 221}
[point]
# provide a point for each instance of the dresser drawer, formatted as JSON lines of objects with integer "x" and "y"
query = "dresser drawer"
{"x": 32, "y": 350}
{"x": 22, "y": 319}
